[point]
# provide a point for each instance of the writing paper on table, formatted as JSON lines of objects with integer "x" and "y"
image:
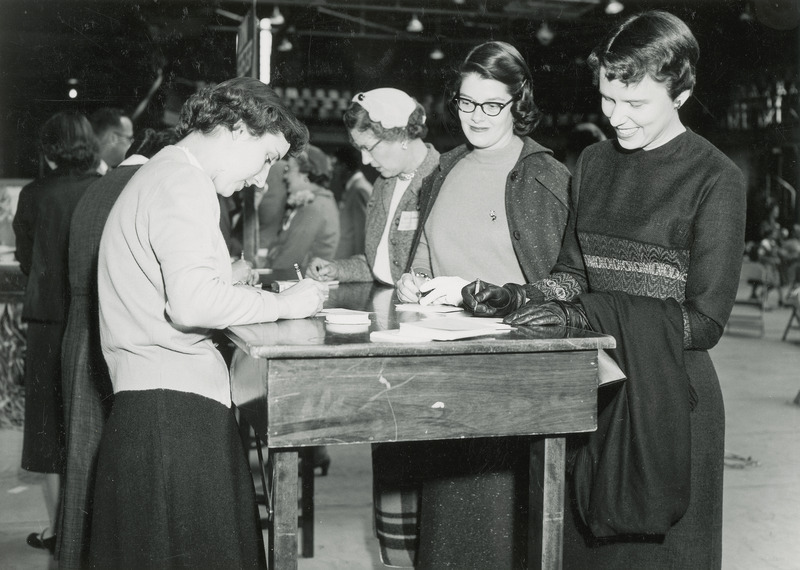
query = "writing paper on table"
{"x": 452, "y": 328}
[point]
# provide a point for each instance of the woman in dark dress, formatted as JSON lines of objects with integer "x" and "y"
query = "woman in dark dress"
{"x": 653, "y": 258}
{"x": 41, "y": 225}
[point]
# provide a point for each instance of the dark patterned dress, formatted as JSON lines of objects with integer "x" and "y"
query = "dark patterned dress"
{"x": 654, "y": 257}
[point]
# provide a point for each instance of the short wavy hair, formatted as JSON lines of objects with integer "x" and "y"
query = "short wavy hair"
{"x": 149, "y": 141}
{"x": 67, "y": 138}
{"x": 244, "y": 99}
{"x": 502, "y": 62}
{"x": 356, "y": 118}
{"x": 655, "y": 43}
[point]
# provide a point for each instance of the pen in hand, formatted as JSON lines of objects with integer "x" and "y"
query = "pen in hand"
{"x": 477, "y": 286}
{"x": 298, "y": 272}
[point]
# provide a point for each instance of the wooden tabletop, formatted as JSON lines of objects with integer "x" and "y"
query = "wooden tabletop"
{"x": 314, "y": 338}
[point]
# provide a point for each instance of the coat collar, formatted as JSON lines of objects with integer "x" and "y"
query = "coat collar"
{"x": 529, "y": 147}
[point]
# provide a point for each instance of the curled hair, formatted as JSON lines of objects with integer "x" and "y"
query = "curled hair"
{"x": 246, "y": 100}
{"x": 655, "y": 43}
{"x": 503, "y": 62}
{"x": 67, "y": 139}
{"x": 356, "y": 118}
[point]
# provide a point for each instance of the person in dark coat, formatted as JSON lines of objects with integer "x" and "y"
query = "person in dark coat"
{"x": 652, "y": 257}
{"x": 42, "y": 225}
{"x": 86, "y": 385}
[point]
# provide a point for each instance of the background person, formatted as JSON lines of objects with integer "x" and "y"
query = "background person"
{"x": 165, "y": 282}
{"x": 653, "y": 259}
{"x": 353, "y": 203}
{"x": 42, "y": 226}
{"x": 114, "y": 132}
{"x": 310, "y": 225}
{"x": 496, "y": 207}
{"x": 386, "y": 126}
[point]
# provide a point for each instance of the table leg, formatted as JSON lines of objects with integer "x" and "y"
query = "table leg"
{"x": 307, "y": 501}
{"x": 283, "y": 530}
{"x": 546, "y": 503}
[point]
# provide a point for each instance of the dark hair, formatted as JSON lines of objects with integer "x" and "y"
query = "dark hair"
{"x": 244, "y": 99}
{"x": 503, "y": 62}
{"x": 349, "y": 158}
{"x": 654, "y": 43}
{"x": 67, "y": 139}
{"x": 150, "y": 141}
{"x": 105, "y": 119}
{"x": 356, "y": 118}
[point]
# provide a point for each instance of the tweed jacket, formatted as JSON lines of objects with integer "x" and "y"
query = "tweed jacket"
{"x": 86, "y": 385}
{"x": 537, "y": 206}
{"x": 41, "y": 225}
{"x": 359, "y": 267}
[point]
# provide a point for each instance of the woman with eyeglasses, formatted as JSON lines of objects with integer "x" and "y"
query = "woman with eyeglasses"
{"x": 387, "y": 126}
{"x": 495, "y": 208}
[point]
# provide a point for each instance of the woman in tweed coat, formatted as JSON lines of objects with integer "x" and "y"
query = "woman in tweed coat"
{"x": 387, "y": 126}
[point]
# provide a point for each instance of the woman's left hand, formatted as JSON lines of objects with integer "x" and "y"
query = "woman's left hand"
{"x": 558, "y": 313}
{"x": 243, "y": 274}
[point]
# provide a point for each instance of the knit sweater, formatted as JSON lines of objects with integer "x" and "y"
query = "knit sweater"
{"x": 164, "y": 281}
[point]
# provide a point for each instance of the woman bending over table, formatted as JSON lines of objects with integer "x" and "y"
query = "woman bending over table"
{"x": 174, "y": 487}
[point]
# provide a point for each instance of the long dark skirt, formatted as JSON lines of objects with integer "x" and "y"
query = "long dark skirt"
{"x": 174, "y": 488}
{"x": 43, "y": 444}
{"x": 696, "y": 540}
{"x": 472, "y": 499}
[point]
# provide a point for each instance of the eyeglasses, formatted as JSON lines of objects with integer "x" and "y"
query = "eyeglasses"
{"x": 365, "y": 149}
{"x": 490, "y": 108}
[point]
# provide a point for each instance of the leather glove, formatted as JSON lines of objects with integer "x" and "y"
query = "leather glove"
{"x": 442, "y": 291}
{"x": 492, "y": 300}
{"x": 563, "y": 313}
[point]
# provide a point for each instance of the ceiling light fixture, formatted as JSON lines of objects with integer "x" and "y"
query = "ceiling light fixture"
{"x": 614, "y": 7}
{"x": 544, "y": 34}
{"x": 436, "y": 54}
{"x": 277, "y": 18}
{"x": 414, "y": 25}
{"x": 747, "y": 15}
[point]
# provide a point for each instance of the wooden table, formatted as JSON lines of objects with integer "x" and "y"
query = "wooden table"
{"x": 298, "y": 384}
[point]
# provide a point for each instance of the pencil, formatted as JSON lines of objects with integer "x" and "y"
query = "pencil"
{"x": 477, "y": 286}
{"x": 297, "y": 270}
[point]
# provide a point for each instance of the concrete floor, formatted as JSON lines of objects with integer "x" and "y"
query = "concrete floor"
{"x": 760, "y": 377}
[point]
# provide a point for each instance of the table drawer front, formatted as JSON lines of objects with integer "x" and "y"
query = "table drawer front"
{"x": 352, "y": 400}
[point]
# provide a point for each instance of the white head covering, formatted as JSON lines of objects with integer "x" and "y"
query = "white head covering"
{"x": 388, "y": 106}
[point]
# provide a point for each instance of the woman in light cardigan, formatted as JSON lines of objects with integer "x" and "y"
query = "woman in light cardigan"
{"x": 174, "y": 487}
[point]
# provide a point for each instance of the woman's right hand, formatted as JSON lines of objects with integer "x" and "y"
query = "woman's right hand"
{"x": 302, "y": 300}
{"x": 322, "y": 269}
{"x": 407, "y": 288}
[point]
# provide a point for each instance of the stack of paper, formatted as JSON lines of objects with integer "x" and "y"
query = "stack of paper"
{"x": 452, "y": 328}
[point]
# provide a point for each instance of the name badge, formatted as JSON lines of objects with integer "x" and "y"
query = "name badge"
{"x": 408, "y": 220}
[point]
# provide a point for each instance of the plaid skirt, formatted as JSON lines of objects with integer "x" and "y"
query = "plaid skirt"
{"x": 174, "y": 488}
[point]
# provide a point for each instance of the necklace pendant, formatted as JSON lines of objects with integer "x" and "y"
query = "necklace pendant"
{"x": 492, "y": 215}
